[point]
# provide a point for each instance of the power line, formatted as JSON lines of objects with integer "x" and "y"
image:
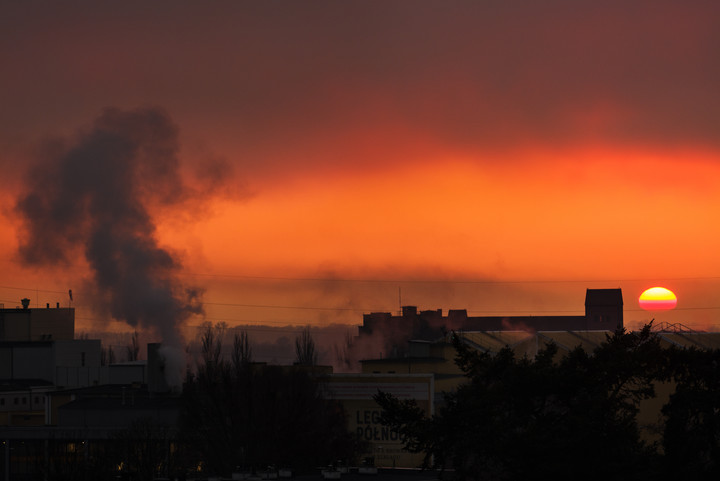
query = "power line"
{"x": 33, "y": 289}
{"x": 409, "y": 281}
{"x": 442, "y": 281}
{"x": 275, "y": 306}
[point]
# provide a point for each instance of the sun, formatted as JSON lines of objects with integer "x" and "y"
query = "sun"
{"x": 658, "y": 299}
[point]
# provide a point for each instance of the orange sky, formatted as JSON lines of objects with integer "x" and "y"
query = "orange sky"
{"x": 596, "y": 215}
{"x": 393, "y": 153}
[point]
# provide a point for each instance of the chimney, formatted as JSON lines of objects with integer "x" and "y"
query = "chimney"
{"x": 25, "y": 302}
{"x": 156, "y": 369}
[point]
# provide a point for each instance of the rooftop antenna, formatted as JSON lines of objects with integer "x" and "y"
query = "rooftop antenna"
{"x": 400, "y": 300}
{"x": 70, "y": 295}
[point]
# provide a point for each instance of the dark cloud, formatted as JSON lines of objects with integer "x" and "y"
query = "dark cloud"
{"x": 93, "y": 196}
{"x": 289, "y": 85}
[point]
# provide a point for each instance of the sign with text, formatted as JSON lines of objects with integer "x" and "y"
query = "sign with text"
{"x": 356, "y": 394}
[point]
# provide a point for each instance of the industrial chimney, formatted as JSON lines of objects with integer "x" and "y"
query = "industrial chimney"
{"x": 156, "y": 369}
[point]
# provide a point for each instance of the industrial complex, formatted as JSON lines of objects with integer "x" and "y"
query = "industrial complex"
{"x": 58, "y": 400}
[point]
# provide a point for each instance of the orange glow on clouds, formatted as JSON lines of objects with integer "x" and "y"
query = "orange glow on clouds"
{"x": 468, "y": 219}
{"x": 658, "y": 299}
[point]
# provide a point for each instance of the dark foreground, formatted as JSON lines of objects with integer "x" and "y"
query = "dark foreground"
{"x": 382, "y": 475}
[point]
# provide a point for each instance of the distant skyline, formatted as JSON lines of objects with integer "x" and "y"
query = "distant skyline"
{"x": 336, "y": 158}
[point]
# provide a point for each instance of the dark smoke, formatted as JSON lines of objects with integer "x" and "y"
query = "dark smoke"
{"x": 93, "y": 196}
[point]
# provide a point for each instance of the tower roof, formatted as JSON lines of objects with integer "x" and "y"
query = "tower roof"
{"x": 603, "y": 297}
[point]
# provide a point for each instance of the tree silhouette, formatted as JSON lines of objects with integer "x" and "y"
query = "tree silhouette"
{"x": 305, "y": 353}
{"x": 133, "y": 349}
{"x": 211, "y": 340}
{"x": 107, "y": 356}
{"x": 242, "y": 352}
{"x": 342, "y": 353}
{"x": 254, "y": 415}
{"x": 691, "y": 440}
{"x": 521, "y": 417}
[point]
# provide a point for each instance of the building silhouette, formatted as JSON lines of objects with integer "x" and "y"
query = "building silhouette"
{"x": 391, "y": 333}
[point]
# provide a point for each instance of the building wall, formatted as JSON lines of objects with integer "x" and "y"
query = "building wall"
{"x": 56, "y": 400}
{"x": 72, "y": 376}
{"x": 123, "y": 374}
{"x": 114, "y": 416}
{"x": 77, "y": 363}
{"x": 15, "y": 324}
{"x": 71, "y": 363}
{"x": 356, "y": 391}
{"x": 78, "y": 353}
{"x": 37, "y": 324}
{"x": 56, "y": 324}
{"x": 5, "y": 363}
{"x": 26, "y": 360}
{"x": 22, "y": 400}
{"x": 23, "y": 405}
{"x": 604, "y": 308}
{"x": 33, "y": 362}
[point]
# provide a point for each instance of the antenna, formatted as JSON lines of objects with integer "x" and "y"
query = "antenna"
{"x": 400, "y": 300}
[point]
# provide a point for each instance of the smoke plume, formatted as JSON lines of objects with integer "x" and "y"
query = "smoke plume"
{"x": 93, "y": 196}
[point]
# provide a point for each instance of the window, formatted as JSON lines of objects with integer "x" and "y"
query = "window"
{"x": 2, "y": 402}
{"x": 15, "y": 401}
{"x": 82, "y": 359}
{"x": 24, "y": 400}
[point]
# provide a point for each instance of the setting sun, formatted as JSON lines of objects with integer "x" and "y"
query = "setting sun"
{"x": 657, "y": 299}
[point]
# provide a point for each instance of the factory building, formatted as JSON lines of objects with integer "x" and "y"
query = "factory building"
{"x": 37, "y": 344}
{"x": 603, "y": 312}
{"x": 36, "y": 324}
